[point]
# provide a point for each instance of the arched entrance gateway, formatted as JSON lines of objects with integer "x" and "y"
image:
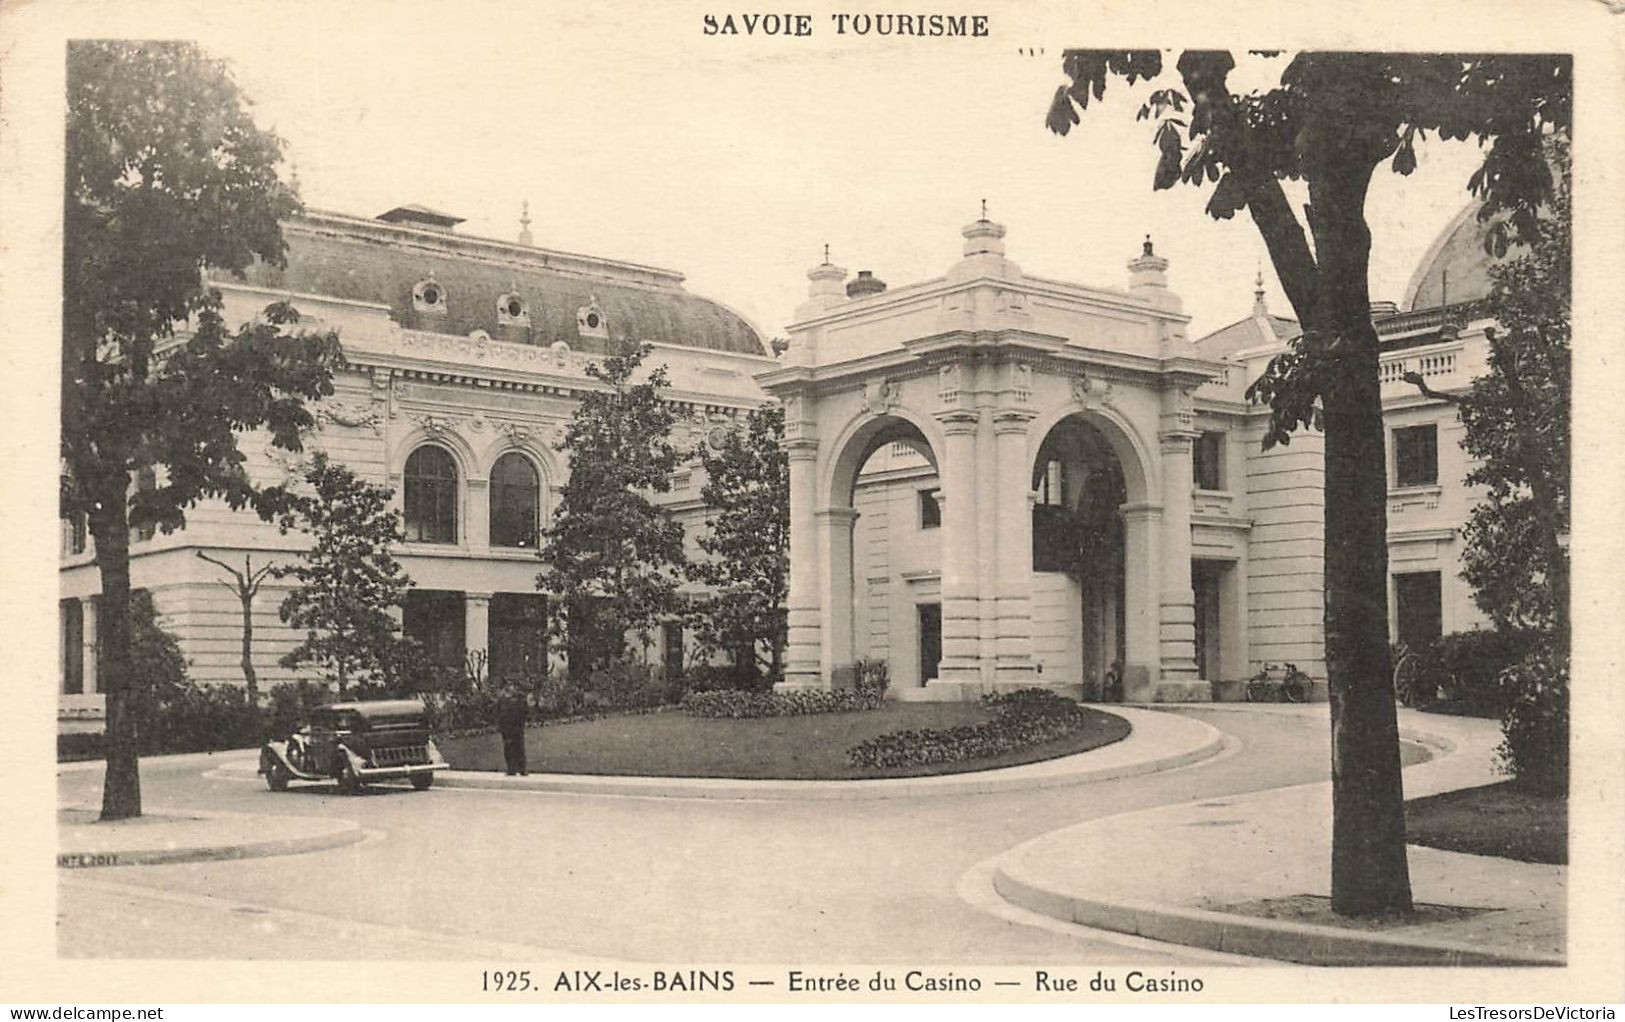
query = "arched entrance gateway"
{"x": 1002, "y": 460}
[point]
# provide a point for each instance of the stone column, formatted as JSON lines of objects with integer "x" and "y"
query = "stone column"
{"x": 1014, "y": 520}
{"x": 804, "y": 651}
{"x": 835, "y": 588}
{"x": 1178, "y": 617}
{"x": 961, "y": 611}
{"x": 1141, "y": 528}
{"x": 477, "y": 622}
{"x": 477, "y": 530}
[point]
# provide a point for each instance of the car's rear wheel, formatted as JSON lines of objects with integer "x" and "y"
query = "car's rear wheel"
{"x": 422, "y": 781}
{"x": 276, "y": 775}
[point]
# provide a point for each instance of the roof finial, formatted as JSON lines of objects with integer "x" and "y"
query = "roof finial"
{"x": 826, "y": 253}
{"x": 1145, "y": 249}
{"x": 524, "y": 223}
{"x": 984, "y": 209}
{"x": 293, "y": 182}
{"x": 1259, "y": 308}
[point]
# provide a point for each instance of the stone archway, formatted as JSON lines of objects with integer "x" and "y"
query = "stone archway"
{"x": 1080, "y": 569}
{"x": 837, "y": 520}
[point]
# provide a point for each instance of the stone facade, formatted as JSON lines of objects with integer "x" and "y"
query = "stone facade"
{"x": 946, "y": 439}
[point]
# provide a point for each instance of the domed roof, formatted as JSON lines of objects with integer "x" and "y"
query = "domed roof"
{"x": 358, "y": 259}
{"x": 1456, "y": 267}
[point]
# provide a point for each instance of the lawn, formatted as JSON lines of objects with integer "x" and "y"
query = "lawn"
{"x": 673, "y": 744}
{"x": 1497, "y": 819}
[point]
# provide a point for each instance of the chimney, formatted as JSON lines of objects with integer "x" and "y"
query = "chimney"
{"x": 864, "y": 285}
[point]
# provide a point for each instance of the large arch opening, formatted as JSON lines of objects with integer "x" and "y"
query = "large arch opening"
{"x": 882, "y": 532}
{"x": 1080, "y": 559}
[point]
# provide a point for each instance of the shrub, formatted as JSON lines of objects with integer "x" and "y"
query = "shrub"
{"x": 1461, "y": 669}
{"x": 200, "y": 718}
{"x": 1024, "y": 718}
{"x": 460, "y": 710}
{"x": 80, "y": 745}
{"x": 1535, "y": 720}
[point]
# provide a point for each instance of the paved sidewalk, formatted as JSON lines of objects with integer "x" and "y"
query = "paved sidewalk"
{"x": 190, "y": 836}
{"x": 1158, "y": 741}
{"x": 1192, "y": 862}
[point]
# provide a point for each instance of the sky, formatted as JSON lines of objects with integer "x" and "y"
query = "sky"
{"x": 735, "y": 160}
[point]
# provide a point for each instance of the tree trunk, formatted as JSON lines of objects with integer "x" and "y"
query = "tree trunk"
{"x": 248, "y": 648}
{"x": 1370, "y": 875}
{"x": 121, "y": 790}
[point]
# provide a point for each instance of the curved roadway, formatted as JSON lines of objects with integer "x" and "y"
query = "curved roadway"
{"x": 450, "y": 874}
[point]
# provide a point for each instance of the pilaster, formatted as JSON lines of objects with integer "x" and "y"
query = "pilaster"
{"x": 476, "y": 621}
{"x": 961, "y": 618}
{"x": 804, "y": 649}
{"x": 1014, "y": 497}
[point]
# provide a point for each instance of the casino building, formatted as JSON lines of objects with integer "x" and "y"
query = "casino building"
{"x": 997, "y": 479}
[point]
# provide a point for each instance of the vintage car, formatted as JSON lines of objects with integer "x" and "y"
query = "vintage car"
{"x": 353, "y": 743}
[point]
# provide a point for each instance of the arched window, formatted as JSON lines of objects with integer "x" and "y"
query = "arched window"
{"x": 431, "y": 496}
{"x": 515, "y": 501}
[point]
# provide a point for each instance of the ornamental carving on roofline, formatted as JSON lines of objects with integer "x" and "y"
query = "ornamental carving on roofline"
{"x": 518, "y": 432}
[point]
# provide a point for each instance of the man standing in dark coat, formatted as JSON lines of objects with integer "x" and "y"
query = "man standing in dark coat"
{"x": 511, "y": 723}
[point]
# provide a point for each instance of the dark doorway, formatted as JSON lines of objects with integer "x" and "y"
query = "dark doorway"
{"x": 1418, "y": 612}
{"x": 518, "y": 637}
{"x": 1205, "y": 577}
{"x": 930, "y": 640}
{"x": 434, "y": 618}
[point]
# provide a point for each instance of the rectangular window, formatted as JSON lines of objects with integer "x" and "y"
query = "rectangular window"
{"x": 73, "y": 647}
{"x": 1207, "y": 461}
{"x": 1418, "y": 609}
{"x": 1416, "y": 455}
{"x": 930, "y": 510}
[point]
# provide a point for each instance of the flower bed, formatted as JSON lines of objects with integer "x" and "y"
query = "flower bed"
{"x": 733, "y": 704}
{"x": 1025, "y": 718}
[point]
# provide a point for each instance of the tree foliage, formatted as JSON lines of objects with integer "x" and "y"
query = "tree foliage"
{"x": 166, "y": 176}
{"x": 747, "y": 489}
{"x": 1517, "y": 429}
{"x": 612, "y": 559}
{"x": 348, "y": 579}
{"x": 1331, "y": 121}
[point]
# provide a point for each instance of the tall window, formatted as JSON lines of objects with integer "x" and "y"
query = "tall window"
{"x": 1416, "y": 455}
{"x": 1207, "y": 461}
{"x": 517, "y": 639}
{"x": 515, "y": 499}
{"x": 431, "y": 496}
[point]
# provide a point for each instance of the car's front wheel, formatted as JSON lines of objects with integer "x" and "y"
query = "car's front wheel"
{"x": 276, "y": 775}
{"x": 422, "y": 781}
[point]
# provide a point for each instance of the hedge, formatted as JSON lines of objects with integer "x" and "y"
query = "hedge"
{"x": 1024, "y": 718}
{"x": 867, "y": 692}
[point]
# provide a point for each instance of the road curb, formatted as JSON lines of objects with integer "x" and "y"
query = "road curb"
{"x": 1019, "y": 778}
{"x": 1304, "y": 943}
{"x": 319, "y": 835}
